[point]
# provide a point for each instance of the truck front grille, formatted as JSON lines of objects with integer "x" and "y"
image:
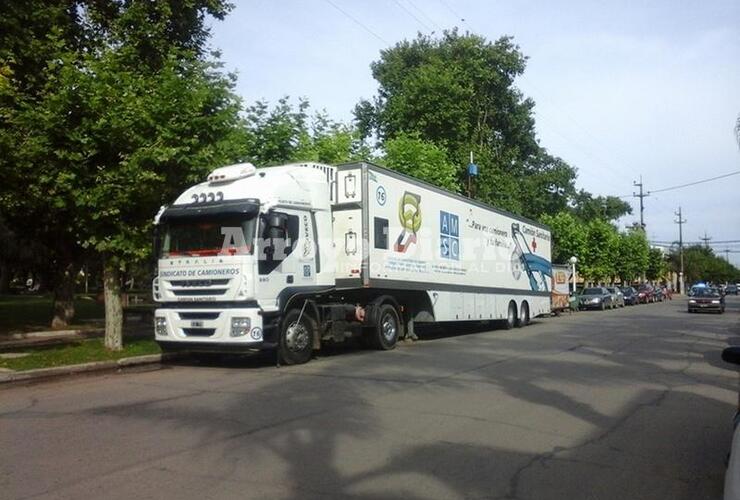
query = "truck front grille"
{"x": 198, "y": 332}
{"x": 199, "y": 283}
{"x": 199, "y": 315}
{"x": 193, "y": 292}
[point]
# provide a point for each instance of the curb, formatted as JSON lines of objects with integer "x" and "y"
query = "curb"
{"x": 92, "y": 367}
{"x": 45, "y": 334}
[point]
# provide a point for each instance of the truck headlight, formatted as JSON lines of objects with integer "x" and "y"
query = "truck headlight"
{"x": 692, "y": 301}
{"x": 715, "y": 302}
{"x": 160, "y": 326}
{"x": 240, "y": 326}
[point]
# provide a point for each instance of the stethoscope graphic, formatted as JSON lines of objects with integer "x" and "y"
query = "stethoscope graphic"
{"x": 532, "y": 264}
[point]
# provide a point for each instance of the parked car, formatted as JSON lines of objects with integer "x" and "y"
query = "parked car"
{"x": 731, "y": 289}
{"x": 707, "y": 299}
{"x": 630, "y": 295}
{"x": 645, "y": 294}
{"x": 617, "y": 296}
{"x": 596, "y": 297}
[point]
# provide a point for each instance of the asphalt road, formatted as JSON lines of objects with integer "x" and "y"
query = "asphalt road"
{"x": 625, "y": 404}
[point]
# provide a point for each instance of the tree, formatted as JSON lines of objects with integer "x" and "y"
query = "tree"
{"x": 632, "y": 255}
{"x": 601, "y": 251}
{"x": 568, "y": 236}
{"x": 283, "y": 134}
{"x": 609, "y": 208}
{"x": 121, "y": 127}
{"x": 657, "y": 266}
{"x": 35, "y": 37}
{"x": 424, "y": 160}
{"x": 457, "y": 91}
{"x": 701, "y": 264}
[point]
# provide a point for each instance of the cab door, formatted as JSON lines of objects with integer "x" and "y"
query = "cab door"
{"x": 285, "y": 257}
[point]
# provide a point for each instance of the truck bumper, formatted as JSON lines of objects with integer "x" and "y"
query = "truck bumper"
{"x": 216, "y": 329}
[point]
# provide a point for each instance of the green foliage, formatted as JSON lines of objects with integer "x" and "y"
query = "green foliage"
{"x": 84, "y": 351}
{"x": 632, "y": 255}
{"x": 568, "y": 237}
{"x": 457, "y": 91}
{"x": 422, "y": 159}
{"x": 701, "y": 264}
{"x": 657, "y": 266}
{"x": 119, "y": 128}
{"x": 587, "y": 207}
{"x": 602, "y": 247}
{"x": 283, "y": 134}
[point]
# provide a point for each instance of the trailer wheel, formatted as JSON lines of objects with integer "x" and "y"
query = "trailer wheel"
{"x": 510, "y": 316}
{"x": 296, "y": 338}
{"x": 385, "y": 333}
{"x": 524, "y": 316}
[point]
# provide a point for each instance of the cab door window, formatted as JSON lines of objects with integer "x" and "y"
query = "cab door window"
{"x": 278, "y": 235}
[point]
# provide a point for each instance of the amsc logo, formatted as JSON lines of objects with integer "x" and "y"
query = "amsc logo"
{"x": 449, "y": 235}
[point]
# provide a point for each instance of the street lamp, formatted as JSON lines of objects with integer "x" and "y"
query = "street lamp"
{"x": 573, "y": 261}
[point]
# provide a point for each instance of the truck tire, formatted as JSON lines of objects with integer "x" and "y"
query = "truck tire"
{"x": 524, "y": 316}
{"x": 384, "y": 335}
{"x": 510, "y": 316}
{"x": 296, "y": 338}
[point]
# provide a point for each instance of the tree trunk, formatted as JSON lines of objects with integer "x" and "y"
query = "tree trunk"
{"x": 113, "y": 306}
{"x": 4, "y": 277}
{"x": 64, "y": 296}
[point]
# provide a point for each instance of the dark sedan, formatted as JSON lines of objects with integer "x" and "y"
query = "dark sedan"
{"x": 596, "y": 297}
{"x": 630, "y": 295}
{"x": 707, "y": 299}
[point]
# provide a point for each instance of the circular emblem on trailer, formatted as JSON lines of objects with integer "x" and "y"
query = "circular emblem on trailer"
{"x": 256, "y": 333}
{"x": 380, "y": 195}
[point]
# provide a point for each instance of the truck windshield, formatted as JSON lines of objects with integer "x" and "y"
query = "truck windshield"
{"x": 202, "y": 237}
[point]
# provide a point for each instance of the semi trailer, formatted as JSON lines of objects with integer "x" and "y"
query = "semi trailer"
{"x": 291, "y": 257}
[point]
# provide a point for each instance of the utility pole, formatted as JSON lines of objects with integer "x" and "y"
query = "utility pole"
{"x": 642, "y": 205}
{"x": 681, "y": 221}
{"x": 706, "y": 239}
{"x": 727, "y": 254}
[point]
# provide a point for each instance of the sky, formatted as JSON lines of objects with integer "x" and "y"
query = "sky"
{"x": 622, "y": 89}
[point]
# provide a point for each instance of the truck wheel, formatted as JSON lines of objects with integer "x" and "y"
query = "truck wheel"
{"x": 385, "y": 334}
{"x": 524, "y": 317}
{"x": 296, "y": 338}
{"x": 510, "y": 316}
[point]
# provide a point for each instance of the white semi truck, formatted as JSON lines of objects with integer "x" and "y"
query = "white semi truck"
{"x": 293, "y": 256}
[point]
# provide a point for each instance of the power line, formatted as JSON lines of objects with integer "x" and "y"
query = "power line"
{"x": 688, "y": 184}
{"x": 407, "y": 11}
{"x": 357, "y": 22}
{"x": 706, "y": 239}
{"x": 696, "y": 182}
{"x": 447, "y": 6}
{"x": 424, "y": 15}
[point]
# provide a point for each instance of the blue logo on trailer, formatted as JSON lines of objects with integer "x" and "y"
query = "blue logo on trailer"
{"x": 449, "y": 235}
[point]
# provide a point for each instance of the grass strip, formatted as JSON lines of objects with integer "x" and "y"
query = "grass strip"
{"x": 83, "y": 351}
